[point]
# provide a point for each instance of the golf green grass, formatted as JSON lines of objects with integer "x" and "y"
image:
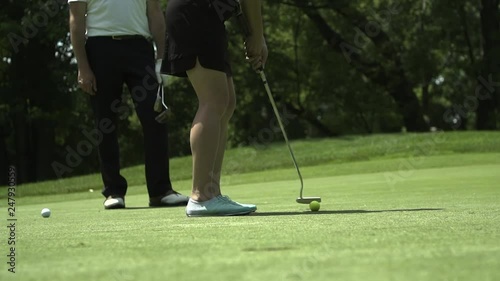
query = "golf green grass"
{"x": 410, "y": 218}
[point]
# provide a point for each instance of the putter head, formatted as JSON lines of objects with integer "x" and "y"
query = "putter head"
{"x": 162, "y": 118}
{"x": 307, "y": 200}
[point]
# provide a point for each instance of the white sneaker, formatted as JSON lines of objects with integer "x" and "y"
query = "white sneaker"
{"x": 247, "y": 205}
{"x": 114, "y": 202}
{"x": 218, "y": 206}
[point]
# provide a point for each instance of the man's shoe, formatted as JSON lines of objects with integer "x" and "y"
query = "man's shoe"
{"x": 114, "y": 202}
{"x": 170, "y": 200}
{"x": 218, "y": 206}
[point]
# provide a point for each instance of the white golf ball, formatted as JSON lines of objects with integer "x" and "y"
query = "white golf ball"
{"x": 45, "y": 212}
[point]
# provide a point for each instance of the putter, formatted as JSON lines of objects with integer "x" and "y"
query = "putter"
{"x": 162, "y": 118}
{"x": 301, "y": 199}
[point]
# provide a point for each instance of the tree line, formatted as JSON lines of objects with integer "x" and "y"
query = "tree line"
{"x": 336, "y": 68}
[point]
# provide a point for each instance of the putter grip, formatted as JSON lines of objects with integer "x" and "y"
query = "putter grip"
{"x": 242, "y": 22}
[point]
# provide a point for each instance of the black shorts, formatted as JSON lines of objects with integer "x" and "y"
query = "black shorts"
{"x": 194, "y": 30}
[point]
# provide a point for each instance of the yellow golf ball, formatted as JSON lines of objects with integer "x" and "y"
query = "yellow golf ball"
{"x": 314, "y": 206}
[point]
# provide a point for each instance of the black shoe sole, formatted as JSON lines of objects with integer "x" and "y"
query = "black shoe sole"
{"x": 160, "y": 205}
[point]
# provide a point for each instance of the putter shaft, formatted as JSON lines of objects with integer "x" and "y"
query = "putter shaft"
{"x": 276, "y": 112}
{"x": 303, "y": 200}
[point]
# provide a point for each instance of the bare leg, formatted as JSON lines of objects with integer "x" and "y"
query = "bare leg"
{"x": 224, "y": 126}
{"x": 208, "y": 130}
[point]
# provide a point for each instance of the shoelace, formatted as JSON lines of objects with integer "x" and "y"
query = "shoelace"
{"x": 228, "y": 200}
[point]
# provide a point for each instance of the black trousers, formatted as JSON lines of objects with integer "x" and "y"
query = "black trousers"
{"x": 130, "y": 62}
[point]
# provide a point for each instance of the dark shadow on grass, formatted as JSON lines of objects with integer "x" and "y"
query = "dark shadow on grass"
{"x": 151, "y": 208}
{"x": 340, "y": 212}
{"x": 136, "y": 208}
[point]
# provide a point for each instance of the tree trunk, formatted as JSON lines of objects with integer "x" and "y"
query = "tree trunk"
{"x": 409, "y": 107}
{"x": 4, "y": 161}
{"x": 44, "y": 142}
{"x": 425, "y": 99}
{"x": 5, "y": 131}
{"x": 23, "y": 153}
{"x": 488, "y": 99}
{"x": 393, "y": 79}
{"x": 32, "y": 107}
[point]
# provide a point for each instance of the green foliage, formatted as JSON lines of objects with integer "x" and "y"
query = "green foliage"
{"x": 431, "y": 52}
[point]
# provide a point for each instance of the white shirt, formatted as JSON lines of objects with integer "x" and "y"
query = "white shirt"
{"x": 116, "y": 17}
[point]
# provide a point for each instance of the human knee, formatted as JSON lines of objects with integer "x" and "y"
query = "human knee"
{"x": 231, "y": 106}
{"x": 217, "y": 104}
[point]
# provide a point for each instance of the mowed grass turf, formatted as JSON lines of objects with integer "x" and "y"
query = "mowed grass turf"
{"x": 431, "y": 218}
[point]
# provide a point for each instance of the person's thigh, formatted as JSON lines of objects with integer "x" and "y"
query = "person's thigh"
{"x": 140, "y": 77}
{"x": 103, "y": 61}
{"x": 194, "y": 32}
{"x": 210, "y": 85}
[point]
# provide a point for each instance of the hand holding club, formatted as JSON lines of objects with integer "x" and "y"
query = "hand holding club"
{"x": 158, "y": 102}
{"x": 256, "y": 51}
